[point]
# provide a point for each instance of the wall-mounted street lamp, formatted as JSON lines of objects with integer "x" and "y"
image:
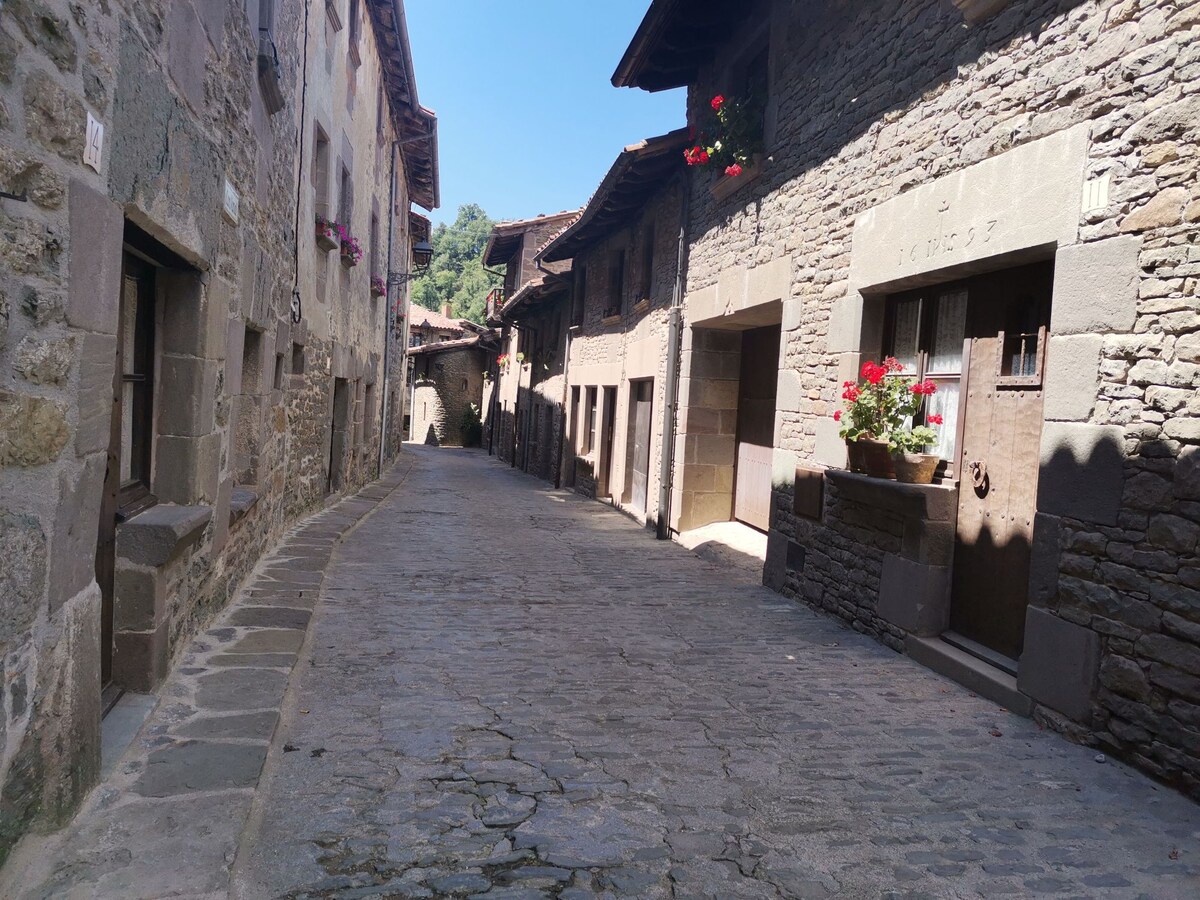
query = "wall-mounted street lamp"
{"x": 422, "y": 255}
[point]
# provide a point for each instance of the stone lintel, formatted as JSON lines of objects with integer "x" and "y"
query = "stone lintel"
{"x": 1027, "y": 197}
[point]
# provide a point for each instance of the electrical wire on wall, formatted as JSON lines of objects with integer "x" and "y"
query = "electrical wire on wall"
{"x": 297, "y": 303}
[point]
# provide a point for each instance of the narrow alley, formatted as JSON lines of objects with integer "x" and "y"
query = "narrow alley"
{"x": 510, "y": 691}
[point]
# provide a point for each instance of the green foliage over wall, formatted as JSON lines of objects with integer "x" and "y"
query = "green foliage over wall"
{"x": 456, "y": 274}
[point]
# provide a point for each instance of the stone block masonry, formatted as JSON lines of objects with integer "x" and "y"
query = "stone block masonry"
{"x": 154, "y": 518}
{"x": 1042, "y": 130}
{"x": 204, "y": 747}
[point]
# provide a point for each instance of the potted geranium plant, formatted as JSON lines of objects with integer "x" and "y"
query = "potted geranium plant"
{"x": 327, "y": 233}
{"x": 731, "y": 138}
{"x": 876, "y": 416}
{"x": 378, "y": 286}
{"x": 908, "y": 442}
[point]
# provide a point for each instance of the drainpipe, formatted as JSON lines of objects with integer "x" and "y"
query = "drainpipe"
{"x": 674, "y": 341}
{"x": 389, "y": 320}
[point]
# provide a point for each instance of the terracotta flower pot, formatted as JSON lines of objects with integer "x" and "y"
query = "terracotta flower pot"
{"x": 327, "y": 240}
{"x": 854, "y": 452}
{"x": 915, "y": 468}
{"x": 877, "y": 458}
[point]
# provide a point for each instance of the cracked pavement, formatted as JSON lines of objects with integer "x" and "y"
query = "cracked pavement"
{"x": 511, "y": 692}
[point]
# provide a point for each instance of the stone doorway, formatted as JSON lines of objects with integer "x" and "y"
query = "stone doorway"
{"x": 130, "y": 449}
{"x": 339, "y": 435}
{"x": 757, "y": 387}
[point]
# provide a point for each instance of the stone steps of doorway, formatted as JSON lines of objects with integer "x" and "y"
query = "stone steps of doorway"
{"x": 971, "y": 672}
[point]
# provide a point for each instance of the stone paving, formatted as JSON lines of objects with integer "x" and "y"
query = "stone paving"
{"x": 510, "y": 692}
{"x": 167, "y": 820}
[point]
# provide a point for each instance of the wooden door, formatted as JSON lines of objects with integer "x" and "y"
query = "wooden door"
{"x": 610, "y": 427}
{"x": 339, "y": 435}
{"x": 756, "y": 426}
{"x": 637, "y": 462}
{"x": 999, "y": 458}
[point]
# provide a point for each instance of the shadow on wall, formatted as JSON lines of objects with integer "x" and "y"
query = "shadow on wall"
{"x": 926, "y": 48}
{"x": 1116, "y": 550}
{"x": 431, "y": 438}
{"x": 1112, "y": 631}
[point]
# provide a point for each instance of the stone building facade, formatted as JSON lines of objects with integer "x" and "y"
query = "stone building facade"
{"x": 448, "y": 389}
{"x": 624, "y": 252}
{"x": 186, "y": 370}
{"x": 524, "y": 419}
{"x": 923, "y": 158}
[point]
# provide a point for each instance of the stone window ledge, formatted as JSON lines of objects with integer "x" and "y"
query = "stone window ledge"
{"x": 727, "y": 185}
{"x": 642, "y": 305}
{"x": 611, "y": 320}
{"x": 241, "y": 501}
{"x": 974, "y": 11}
{"x": 161, "y": 533}
{"x": 930, "y": 502}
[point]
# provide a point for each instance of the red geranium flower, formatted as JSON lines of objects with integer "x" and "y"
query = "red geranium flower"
{"x": 851, "y": 393}
{"x": 837, "y": 416}
{"x": 735, "y": 170}
{"x": 925, "y": 388}
{"x": 873, "y": 373}
{"x": 717, "y": 102}
{"x": 934, "y": 419}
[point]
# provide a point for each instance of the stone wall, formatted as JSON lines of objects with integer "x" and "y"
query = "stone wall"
{"x": 854, "y": 125}
{"x": 633, "y": 346}
{"x": 240, "y": 437}
{"x": 447, "y": 383}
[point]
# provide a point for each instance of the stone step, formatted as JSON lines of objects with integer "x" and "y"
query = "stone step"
{"x": 972, "y": 673}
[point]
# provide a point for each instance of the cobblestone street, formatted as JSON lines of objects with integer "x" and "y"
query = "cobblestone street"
{"x": 510, "y": 691}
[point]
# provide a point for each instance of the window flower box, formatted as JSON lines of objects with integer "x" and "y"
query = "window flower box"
{"x": 327, "y": 234}
{"x": 351, "y": 251}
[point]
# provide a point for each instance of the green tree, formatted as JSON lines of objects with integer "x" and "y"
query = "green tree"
{"x": 456, "y": 274}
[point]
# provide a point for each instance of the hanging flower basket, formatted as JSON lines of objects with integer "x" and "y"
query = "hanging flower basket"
{"x": 327, "y": 233}
{"x": 378, "y": 286}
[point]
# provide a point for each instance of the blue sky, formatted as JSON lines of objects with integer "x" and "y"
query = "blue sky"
{"x": 528, "y": 120}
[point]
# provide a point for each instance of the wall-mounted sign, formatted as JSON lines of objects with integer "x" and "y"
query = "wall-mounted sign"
{"x": 93, "y": 147}
{"x": 232, "y": 201}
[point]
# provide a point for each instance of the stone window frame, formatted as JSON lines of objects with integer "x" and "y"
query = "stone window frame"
{"x": 649, "y": 236}
{"x": 615, "y": 300}
{"x": 591, "y": 410}
{"x": 320, "y": 170}
{"x": 747, "y": 46}
{"x": 345, "y": 194}
{"x": 579, "y": 292}
{"x": 354, "y": 21}
{"x": 137, "y": 494}
{"x": 332, "y": 14}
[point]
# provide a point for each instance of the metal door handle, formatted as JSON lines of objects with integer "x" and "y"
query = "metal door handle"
{"x": 978, "y": 473}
